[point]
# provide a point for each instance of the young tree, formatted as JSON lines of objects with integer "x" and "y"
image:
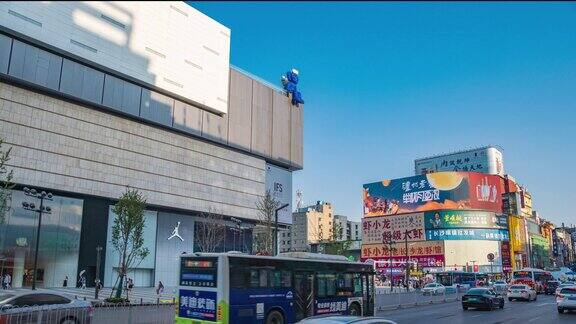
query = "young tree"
{"x": 336, "y": 244}
{"x": 264, "y": 240}
{"x": 6, "y": 184}
{"x": 127, "y": 234}
{"x": 210, "y": 231}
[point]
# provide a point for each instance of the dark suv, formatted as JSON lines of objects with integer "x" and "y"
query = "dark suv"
{"x": 551, "y": 286}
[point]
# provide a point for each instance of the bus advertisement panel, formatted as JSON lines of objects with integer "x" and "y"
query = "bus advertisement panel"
{"x": 433, "y": 191}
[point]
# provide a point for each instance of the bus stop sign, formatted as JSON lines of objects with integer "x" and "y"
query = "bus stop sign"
{"x": 490, "y": 257}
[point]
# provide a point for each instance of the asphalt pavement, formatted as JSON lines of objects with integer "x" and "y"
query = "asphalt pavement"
{"x": 515, "y": 312}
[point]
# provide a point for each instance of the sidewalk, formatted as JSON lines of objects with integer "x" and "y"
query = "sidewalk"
{"x": 138, "y": 294}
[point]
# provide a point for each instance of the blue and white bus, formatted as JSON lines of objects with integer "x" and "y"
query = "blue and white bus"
{"x": 461, "y": 278}
{"x": 239, "y": 288}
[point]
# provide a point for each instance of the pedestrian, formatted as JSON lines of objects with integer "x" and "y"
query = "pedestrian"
{"x": 2, "y": 281}
{"x": 160, "y": 288}
{"x": 83, "y": 282}
{"x": 7, "y": 281}
{"x": 65, "y": 284}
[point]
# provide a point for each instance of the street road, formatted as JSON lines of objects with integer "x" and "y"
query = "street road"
{"x": 542, "y": 311}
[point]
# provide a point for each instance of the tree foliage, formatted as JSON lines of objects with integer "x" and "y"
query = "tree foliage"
{"x": 264, "y": 238}
{"x": 128, "y": 234}
{"x": 210, "y": 231}
{"x": 6, "y": 184}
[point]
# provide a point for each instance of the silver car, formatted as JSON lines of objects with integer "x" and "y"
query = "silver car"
{"x": 566, "y": 299}
{"x": 43, "y": 307}
{"x": 523, "y": 292}
{"x": 500, "y": 287}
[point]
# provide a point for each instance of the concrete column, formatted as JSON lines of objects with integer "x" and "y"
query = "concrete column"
{"x": 18, "y": 271}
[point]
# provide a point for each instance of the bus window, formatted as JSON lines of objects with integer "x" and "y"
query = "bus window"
{"x": 326, "y": 284}
{"x": 344, "y": 285}
{"x": 286, "y": 279}
{"x": 239, "y": 278}
{"x": 258, "y": 278}
{"x": 357, "y": 285}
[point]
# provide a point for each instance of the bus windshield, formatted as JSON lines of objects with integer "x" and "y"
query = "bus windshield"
{"x": 522, "y": 275}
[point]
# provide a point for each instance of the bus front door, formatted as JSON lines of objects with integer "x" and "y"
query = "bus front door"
{"x": 303, "y": 294}
{"x": 368, "y": 294}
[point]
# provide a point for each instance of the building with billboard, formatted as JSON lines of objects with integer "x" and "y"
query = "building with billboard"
{"x": 439, "y": 220}
{"x": 95, "y": 97}
{"x": 486, "y": 159}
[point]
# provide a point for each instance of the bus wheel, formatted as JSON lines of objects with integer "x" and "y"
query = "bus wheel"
{"x": 275, "y": 317}
{"x": 354, "y": 309}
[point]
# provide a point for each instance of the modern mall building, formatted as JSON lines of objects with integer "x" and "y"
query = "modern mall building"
{"x": 96, "y": 97}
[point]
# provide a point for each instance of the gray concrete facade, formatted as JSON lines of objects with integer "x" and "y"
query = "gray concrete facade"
{"x": 61, "y": 145}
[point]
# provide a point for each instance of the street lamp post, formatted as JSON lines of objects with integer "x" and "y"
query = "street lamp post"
{"x": 407, "y": 262}
{"x": 276, "y": 227}
{"x": 97, "y": 290}
{"x": 43, "y": 195}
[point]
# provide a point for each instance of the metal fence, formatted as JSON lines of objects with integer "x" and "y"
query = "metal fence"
{"x": 386, "y": 299}
{"x": 104, "y": 313}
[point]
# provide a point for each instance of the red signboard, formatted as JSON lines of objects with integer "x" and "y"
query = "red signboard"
{"x": 485, "y": 191}
{"x": 475, "y": 268}
{"x": 505, "y": 253}
{"x": 383, "y": 251}
{"x": 422, "y": 261}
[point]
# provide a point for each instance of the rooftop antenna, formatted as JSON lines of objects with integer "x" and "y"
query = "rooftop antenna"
{"x": 299, "y": 198}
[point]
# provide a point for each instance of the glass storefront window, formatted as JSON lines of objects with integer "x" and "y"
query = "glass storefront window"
{"x": 59, "y": 242}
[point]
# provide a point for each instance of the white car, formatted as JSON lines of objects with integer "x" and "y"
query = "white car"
{"x": 564, "y": 285}
{"x": 433, "y": 289}
{"x": 566, "y": 299}
{"x": 500, "y": 287}
{"x": 523, "y": 292}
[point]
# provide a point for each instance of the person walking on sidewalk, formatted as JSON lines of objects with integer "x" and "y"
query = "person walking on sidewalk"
{"x": 65, "y": 284}
{"x": 7, "y": 281}
{"x": 160, "y": 288}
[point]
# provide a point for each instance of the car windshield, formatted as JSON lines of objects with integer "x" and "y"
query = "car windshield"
{"x": 518, "y": 287}
{"x": 570, "y": 291}
{"x": 3, "y": 297}
{"x": 500, "y": 282}
{"x": 477, "y": 292}
{"x": 430, "y": 285}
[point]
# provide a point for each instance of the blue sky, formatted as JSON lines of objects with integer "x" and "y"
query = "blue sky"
{"x": 385, "y": 83}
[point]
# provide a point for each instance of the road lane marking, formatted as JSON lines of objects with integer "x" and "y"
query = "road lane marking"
{"x": 533, "y": 319}
{"x": 544, "y": 304}
{"x": 477, "y": 315}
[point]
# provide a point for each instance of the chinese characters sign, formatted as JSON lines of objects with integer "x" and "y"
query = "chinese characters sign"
{"x": 331, "y": 306}
{"x": 197, "y": 304}
{"x": 505, "y": 253}
{"x": 396, "y": 228}
{"x": 422, "y": 261}
{"x": 484, "y": 160}
{"x": 467, "y": 234}
{"x": 398, "y": 250}
{"x": 464, "y": 219}
{"x": 434, "y": 191}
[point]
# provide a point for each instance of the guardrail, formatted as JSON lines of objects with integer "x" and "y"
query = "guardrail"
{"x": 144, "y": 313}
{"x": 387, "y": 300}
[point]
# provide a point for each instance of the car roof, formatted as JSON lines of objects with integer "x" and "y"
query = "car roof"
{"x": 20, "y": 293}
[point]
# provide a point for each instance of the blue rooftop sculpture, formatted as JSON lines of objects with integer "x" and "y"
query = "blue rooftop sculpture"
{"x": 290, "y": 81}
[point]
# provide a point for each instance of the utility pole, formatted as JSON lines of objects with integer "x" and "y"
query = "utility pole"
{"x": 97, "y": 290}
{"x": 407, "y": 261}
{"x": 41, "y": 210}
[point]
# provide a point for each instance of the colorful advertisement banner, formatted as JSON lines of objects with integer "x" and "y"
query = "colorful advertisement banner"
{"x": 433, "y": 191}
{"x": 506, "y": 259}
{"x": 384, "y": 251}
{"x": 464, "y": 219}
{"x": 422, "y": 261}
{"x": 467, "y": 234}
{"x": 396, "y": 228}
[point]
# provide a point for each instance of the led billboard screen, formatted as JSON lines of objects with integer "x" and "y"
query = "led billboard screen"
{"x": 433, "y": 191}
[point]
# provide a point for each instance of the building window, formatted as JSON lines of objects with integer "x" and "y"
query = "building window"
{"x": 59, "y": 241}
